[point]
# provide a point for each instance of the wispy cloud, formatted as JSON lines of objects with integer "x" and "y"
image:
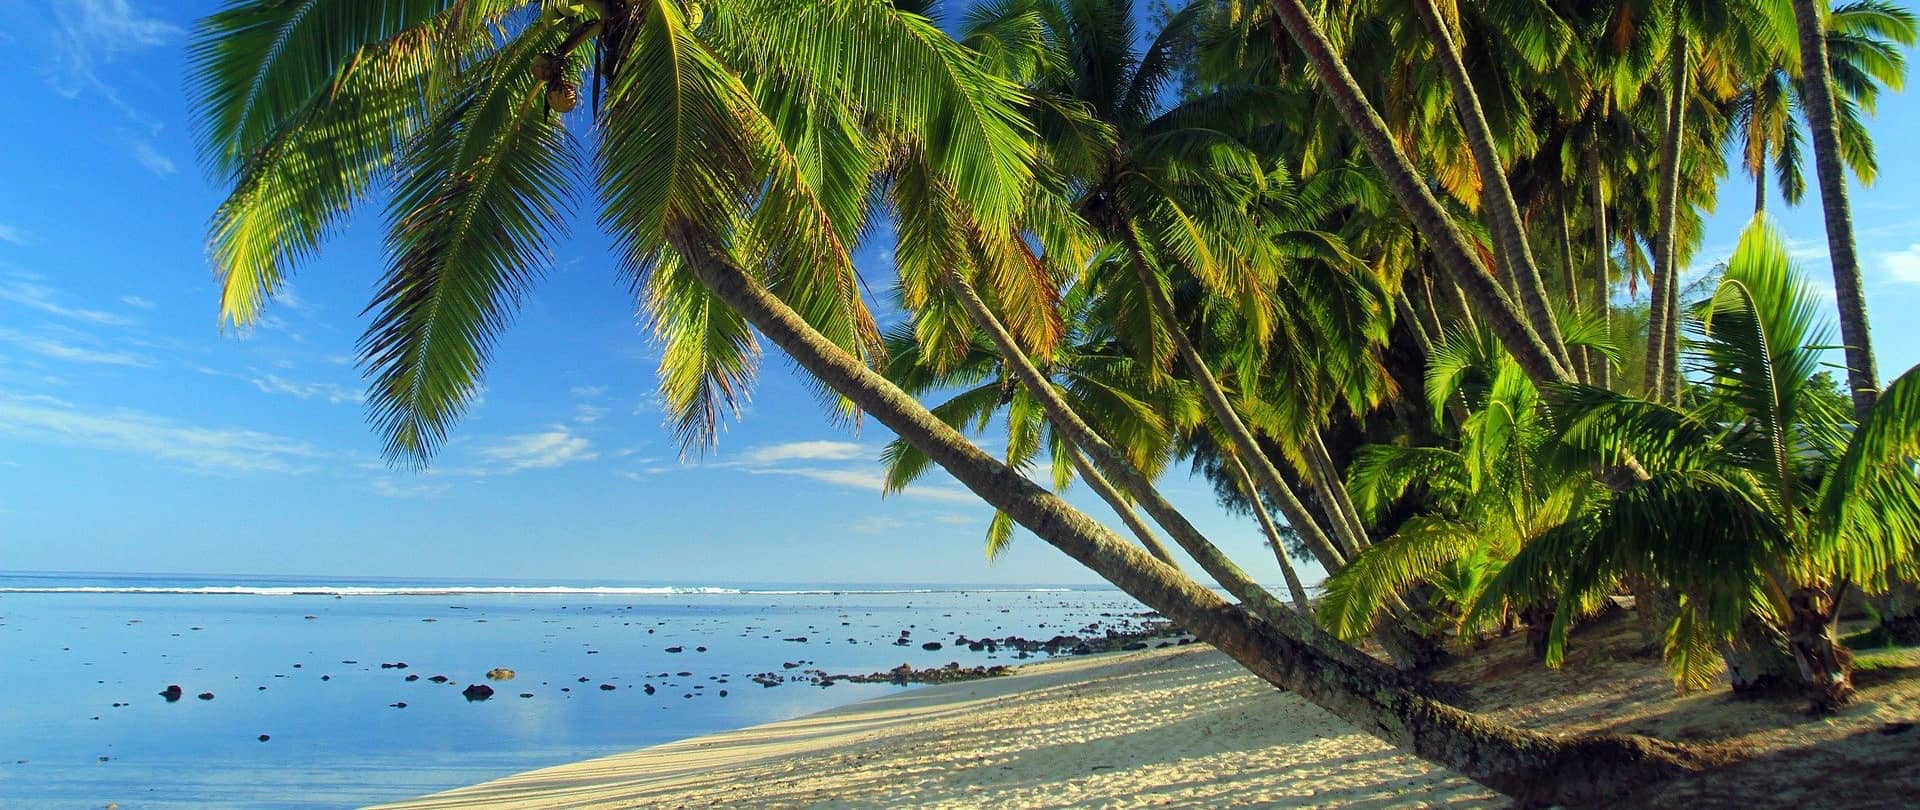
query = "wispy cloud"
{"x": 808, "y": 460}
{"x": 149, "y": 157}
{"x": 587, "y": 414}
{"x": 48, "y": 346}
{"x": 136, "y": 302}
{"x": 45, "y": 299}
{"x": 336, "y": 394}
{"x": 1902, "y": 266}
{"x": 877, "y": 524}
{"x": 47, "y": 420}
{"x": 532, "y": 451}
{"x": 93, "y": 33}
{"x": 390, "y": 488}
{"x": 801, "y": 451}
{"x": 16, "y": 235}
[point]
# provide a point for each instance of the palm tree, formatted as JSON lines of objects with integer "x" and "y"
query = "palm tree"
{"x": 1818, "y": 76}
{"x": 1480, "y": 503}
{"x": 1442, "y": 234}
{"x": 722, "y": 222}
{"x": 1097, "y": 379}
{"x": 1763, "y": 497}
{"x": 1863, "y": 55}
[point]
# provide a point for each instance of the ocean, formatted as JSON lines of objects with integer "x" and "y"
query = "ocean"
{"x": 303, "y": 714}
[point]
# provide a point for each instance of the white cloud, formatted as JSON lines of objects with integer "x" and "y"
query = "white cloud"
{"x": 336, "y": 394}
{"x": 869, "y": 482}
{"x": 149, "y": 157}
{"x": 220, "y": 449}
{"x": 1902, "y": 266}
{"x": 136, "y": 302}
{"x": 955, "y": 520}
{"x": 589, "y": 391}
{"x": 808, "y": 459}
{"x": 877, "y": 524}
{"x": 51, "y": 347}
{"x": 95, "y": 32}
{"x": 586, "y": 414}
{"x": 532, "y": 451}
{"x": 801, "y": 451}
{"x": 389, "y": 488}
{"x": 16, "y": 235}
{"x": 45, "y": 299}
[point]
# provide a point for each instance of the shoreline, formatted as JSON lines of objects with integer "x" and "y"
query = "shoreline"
{"x": 1179, "y": 726}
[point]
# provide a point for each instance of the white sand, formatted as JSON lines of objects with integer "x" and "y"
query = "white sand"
{"x": 1183, "y": 727}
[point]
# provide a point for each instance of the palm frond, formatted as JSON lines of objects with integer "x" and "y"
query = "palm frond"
{"x": 484, "y": 192}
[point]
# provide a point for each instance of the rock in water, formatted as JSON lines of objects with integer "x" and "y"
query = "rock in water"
{"x": 499, "y": 674}
{"x": 264, "y": 738}
{"x": 607, "y": 687}
{"x": 206, "y": 695}
{"x": 172, "y": 693}
{"x": 477, "y": 691}
{"x": 931, "y": 645}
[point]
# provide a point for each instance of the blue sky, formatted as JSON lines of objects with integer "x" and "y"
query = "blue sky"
{"x": 136, "y": 436}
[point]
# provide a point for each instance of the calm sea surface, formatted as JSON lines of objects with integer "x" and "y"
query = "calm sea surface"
{"x": 298, "y": 660}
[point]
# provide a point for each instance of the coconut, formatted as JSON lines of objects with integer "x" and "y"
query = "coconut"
{"x": 563, "y": 96}
{"x": 546, "y": 67}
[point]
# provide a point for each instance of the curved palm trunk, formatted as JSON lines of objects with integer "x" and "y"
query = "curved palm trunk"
{"x": 1443, "y": 238}
{"x": 1660, "y": 338}
{"x": 1760, "y": 182}
{"x": 1525, "y": 764}
{"x": 1406, "y": 648}
{"x": 1271, "y": 484}
{"x": 1327, "y": 475}
{"x": 1862, "y": 374}
{"x": 1110, "y": 461}
{"x": 1141, "y": 531}
{"x": 1496, "y": 196}
{"x": 1245, "y": 481}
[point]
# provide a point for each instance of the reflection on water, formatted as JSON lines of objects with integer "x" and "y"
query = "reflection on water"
{"x": 305, "y": 670}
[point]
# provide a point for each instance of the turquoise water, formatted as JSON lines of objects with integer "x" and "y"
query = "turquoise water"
{"x": 298, "y": 660}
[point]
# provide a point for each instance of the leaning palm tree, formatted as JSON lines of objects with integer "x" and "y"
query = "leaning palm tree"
{"x": 1095, "y": 376}
{"x": 1764, "y": 497}
{"x": 458, "y": 110}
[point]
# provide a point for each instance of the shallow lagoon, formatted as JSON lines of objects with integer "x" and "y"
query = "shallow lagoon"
{"x": 72, "y": 646}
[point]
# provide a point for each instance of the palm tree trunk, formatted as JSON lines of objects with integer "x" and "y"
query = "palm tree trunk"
{"x": 1528, "y": 765}
{"x": 1826, "y": 666}
{"x": 1760, "y": 182}
{"x": 1115, "y": 465}
{"x": 1602, "y": 374}
{"x": 1862, "y": 374}
{"x": 1449, "y": 246}
{"x": 1496, "y": 197}
{"x": 1582, "y": 364}
{"x": 1141, "y": 531}
{"x": 1331, "y": 556}
{"x": 1406, "y": 647}
{"x": 1245, "y": 482}
{"x": 1758, "y": 663}
{"x": 1327, "y": 474}
{"x": 1660, "y": 337}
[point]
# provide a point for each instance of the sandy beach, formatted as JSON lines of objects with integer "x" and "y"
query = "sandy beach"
{"x": 1180, "y": 727}
{"x": 1186, "y": 727}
